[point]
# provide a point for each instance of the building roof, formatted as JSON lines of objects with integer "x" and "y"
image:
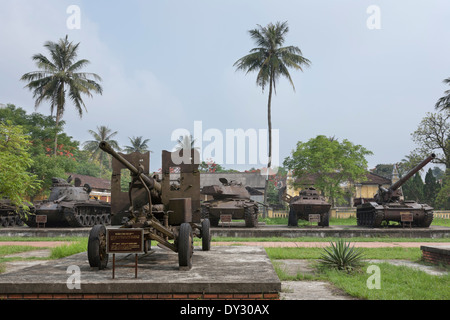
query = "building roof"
{"x": 95, "y": 183}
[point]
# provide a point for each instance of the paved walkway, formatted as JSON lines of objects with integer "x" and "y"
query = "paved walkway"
{"x": 267, "y": 244}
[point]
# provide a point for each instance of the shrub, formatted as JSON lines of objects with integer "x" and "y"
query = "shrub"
{"x": 341, "y": 256}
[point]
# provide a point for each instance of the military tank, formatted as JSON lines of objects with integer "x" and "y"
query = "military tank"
{"x": 10, "y": 215}
{"x": 70, "y": 206}
{"x": 389, "y": 205}
{"x": 309, "y": 205}
{"x": 230, "y": 198}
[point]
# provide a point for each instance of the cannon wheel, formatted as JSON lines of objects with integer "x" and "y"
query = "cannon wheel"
{"x": 206, "y": 235}
{"x": 97, "y": 256}
{"x": 185, "y": 246}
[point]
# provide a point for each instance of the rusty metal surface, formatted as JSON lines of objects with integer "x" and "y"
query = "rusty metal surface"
{"x": 308, "y": 202}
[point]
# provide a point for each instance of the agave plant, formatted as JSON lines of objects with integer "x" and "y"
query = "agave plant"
{"x": 341, "y": 256}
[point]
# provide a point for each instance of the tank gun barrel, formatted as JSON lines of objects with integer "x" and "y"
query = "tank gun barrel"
{"x": 412, "y": 172}
{"x": 150, "y": 182}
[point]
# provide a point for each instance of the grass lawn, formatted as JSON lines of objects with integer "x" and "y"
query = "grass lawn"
{"x": 396, "y": 283}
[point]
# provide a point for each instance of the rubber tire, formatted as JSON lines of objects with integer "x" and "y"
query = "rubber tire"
{"x": 185, "y": 246}
{"x": 96, "y": 260}
{"x": 206, "y": 235}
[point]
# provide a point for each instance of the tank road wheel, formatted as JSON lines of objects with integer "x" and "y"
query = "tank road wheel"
{"x": 206, "y": 235}
{"x": 97, "y": 256}
{"x": 185, "y": 246}
{"x": 427, "y": 220}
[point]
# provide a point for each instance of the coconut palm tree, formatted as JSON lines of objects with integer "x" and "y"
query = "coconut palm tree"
{"x": 103, "y": 134}
{"x": 186, "y": 142}
{"x": 137, "y": 145}
{"x": 444, "y": 102}
{"x": 59, "y": 78}
{"x": 271, "y": 61}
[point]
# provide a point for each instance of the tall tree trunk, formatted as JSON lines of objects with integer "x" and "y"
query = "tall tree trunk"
{"x": 56, "y": 133}
{"x": 269, "y": 122}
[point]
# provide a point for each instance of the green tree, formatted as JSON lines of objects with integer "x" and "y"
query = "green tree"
{"x": 41, "y": 130}
{"x": 330, "y": 162}
{"x": 444, "y": 102}
{"x": 432, "y": 135}
{"x": 138, "y": 144}
{"x": 271, "y": 61}
{"x": 15, "y": 160}
{"x": 413, "y": 188}
{"x": 58, "y": 76}
{"x": 103, "y": 134}
{"x": 430, "y": 188}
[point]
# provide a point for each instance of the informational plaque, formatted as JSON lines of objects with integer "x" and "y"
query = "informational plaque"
{"x": 123, "y": 240}
{"x": 314, "y": 218}
{"x": 406, "y": 216}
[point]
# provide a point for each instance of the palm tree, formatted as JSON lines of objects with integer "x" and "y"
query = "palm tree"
{"x": 137, "y": 145}
{"x": 271, "y": 61}
{"x": 185, "y": 142}
{"x": 444, "y": 102}
{"x": 103, "y": 134}
{"x": 58, "y": 77}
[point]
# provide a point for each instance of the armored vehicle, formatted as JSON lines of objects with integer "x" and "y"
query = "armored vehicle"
{"x": 389, "y": 205}
{"x": 230, "y": 198}
{"x": 166, "y": 210}
{"x": 10, "y": 215}
{"x": 70, "y": 206}
{"x": 309, "y": 205}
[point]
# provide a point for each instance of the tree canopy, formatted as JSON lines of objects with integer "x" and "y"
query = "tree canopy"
{"x": 329, "y": 163}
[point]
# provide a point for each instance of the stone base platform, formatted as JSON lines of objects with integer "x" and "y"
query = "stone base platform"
{"x": 237, "y": 272}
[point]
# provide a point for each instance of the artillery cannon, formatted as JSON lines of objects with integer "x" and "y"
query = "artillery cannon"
{"x": 230, "y": 198}
{"x": 389, "y": 205}
{"x": 167, "y": 210}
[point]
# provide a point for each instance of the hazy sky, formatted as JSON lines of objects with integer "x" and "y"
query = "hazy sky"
{"x": 166, "y": 64}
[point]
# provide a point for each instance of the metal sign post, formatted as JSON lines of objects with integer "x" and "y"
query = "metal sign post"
{"x": 124, "y": 240}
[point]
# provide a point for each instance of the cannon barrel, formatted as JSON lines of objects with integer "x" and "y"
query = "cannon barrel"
{"x": 150, "y": 182}
{"x": 412, "y": 172}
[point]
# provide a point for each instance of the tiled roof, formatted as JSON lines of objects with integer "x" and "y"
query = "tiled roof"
{"x": 95, "y": 183}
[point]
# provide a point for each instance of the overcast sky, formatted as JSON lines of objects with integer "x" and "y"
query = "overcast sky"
{"x": 166, "y": 64}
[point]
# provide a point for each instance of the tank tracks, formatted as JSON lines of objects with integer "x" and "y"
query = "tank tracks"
{"x": 87, "y": 216}
{"x": 369, "y": 217}
{"x": 11, "y": 220}
{"x": 427, "y": 220}
{"x": 251, "y": 216}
